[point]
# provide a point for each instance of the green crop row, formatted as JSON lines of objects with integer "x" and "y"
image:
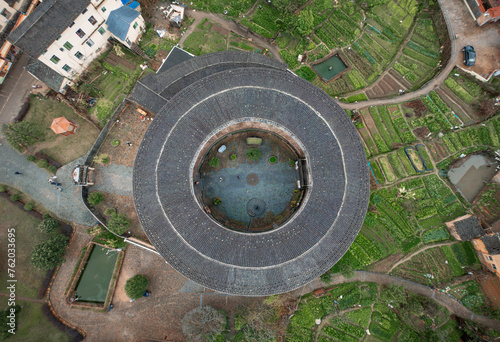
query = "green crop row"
{"x": 376, "y": 171}
{"x": 381, "y": 145}
{"x": 337, "y": 334}
{"x": 458, "y": 90}
{"x": 397, "y": 165}
{"x": 436, "y": 234}
{"x": 370, "y": 249}
{"x": 464, "y": 251}
{"x": 266, "y": 17}
{"x": 360, "y": 317}
{"x": 410, "y": 244}
{"x": 325, "y": 36}
{"x": 356, "y": 79}
{"x": 430, "y": 222}
{"x": 452, "y": 261}
{"x": 438, "y": 102}
{"x": 348, "y": 328}
{"x": 422, "y": 50}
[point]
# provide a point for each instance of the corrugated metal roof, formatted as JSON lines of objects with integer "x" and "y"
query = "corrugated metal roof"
{"x": 119, "y": 21}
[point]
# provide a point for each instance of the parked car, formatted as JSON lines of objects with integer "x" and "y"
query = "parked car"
{"x": 469, "y": 55}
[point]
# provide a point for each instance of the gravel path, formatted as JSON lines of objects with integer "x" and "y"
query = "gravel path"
{"x": 114, "y": 178}
{"x": 66, "y": 204}
{"x": 450, "y": 303}
{"x": 408, "y": 257}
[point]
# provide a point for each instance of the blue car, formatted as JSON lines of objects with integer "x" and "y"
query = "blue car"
{"x": 469, "y": 55}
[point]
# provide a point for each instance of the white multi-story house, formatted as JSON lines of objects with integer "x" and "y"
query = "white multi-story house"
{"x": 64, "y": 36}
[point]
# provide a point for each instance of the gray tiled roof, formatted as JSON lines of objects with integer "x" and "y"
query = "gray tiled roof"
{"x": 258, "y": 264}
{"x": 45, "y": 74}
{"x": 119, "y": 21}
{"x": 176, "y": 56}
{"x": 47, "y": 22}
{"x": 492, "y": 243}
{"x": 167, "y": 84}
{"x": 469, "y": 228}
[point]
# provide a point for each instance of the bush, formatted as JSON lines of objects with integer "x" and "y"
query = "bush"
{"x": 48, "y": 225}
{"x": 29, "y": 206}
{"x": 213, "y": 162}
{"x": 3, "y": 188}
{"x": 232, "y": 156}
{"x": 50, "y": 253}
{"x": 109, "y": 211}
{"x": 136, "y": 286}
{"x": 15, "y": 197}
{"x": 101, "y": 159}
{"x": 203, "y": 323}
{"x": 42, "y": 163}
{"x": 272, "y": 159}
{"x": 254, "y": 154}
{"x": 52, "y": 169}
{"x": 115, "y": 142}
{"x": 306, "y": 73}
{"x": 95, "y": 198}
{"x": 326, "y": 278}
{"x": 118, "y": 223}
{"x": 31, "y": 158}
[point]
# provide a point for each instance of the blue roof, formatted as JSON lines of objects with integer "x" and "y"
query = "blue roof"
{"x": 119, "y": 21}
{"x": 130, "y": 3}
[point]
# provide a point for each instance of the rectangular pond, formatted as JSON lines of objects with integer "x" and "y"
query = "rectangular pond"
{"x": 94, "y": 282}
{"x": 330, "y": 68}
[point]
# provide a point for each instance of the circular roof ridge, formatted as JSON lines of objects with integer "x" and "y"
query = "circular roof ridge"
{"x": 262, "y": 264}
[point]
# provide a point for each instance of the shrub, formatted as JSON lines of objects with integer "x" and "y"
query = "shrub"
{"x": 115, "y": 142}
{"x": 42, "y": 163}
{"x": 52, "y": 169}
{"x": 15, "y": 197}
{"x": 254, "y": 154}
{"x": 95, "y": 198}
{"x": 29, "y": 206}
{"x": 232, "y": 156}
{"x": 101, "y": 159}
{"x": 118, "y": 223}
{"x": 3, "y": 188}
{"x": 109, "y": 211}
{"x": 326, "y": 278}
{"x": 203, "y": 323}
{"x": 48, "y": 225}
{"x": 272, "y": 159}
{"x": 50, "y": 253}
{"x": 306, "y": 73}
{"x": 217, "y": 201}
{"x": 31, "y": 158}
{"x": 136, "y": 286}
{"x": 213, "y": 162}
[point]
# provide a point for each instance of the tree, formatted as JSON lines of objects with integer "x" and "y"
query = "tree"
{"x": 394, "y": 295}
{"x": 305, "y": 23}
{"x": 101, "y": 159}
{"x": 50, "y": 253}
{"x": 213, "y": 162}
{"x": 203, "y": 323}
{"x": 22, "y": 133}
{"x": 48, "y": 225}
{"x": 95, "y": 198}
{"x": 118, "y": 223}
{"x": 252, "y": 334}
{"x": 136, "y": 286}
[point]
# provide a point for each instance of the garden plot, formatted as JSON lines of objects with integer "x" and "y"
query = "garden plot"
{"x": 455, "y": 107}
{"x": 369, "y": 143}
{"x": 401, "y": 126}
{"x": 487, "y": 203}
{"x": 233, "y": 7}
{"x": 387, "y": 168}
{"x": 377, "y": 137}
{"x": 471, "y": 295}
{"x": 205, "y": 40}
{"x": 366, "y": 68}
{"x": 264, "y": 21}
{"x": 382, "y": 120}
{"x": 464, "y": 88}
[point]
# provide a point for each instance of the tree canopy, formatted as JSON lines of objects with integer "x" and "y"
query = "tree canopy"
{"x": 22, "y": 133}
{"x": 136, "y": 286}
{"x": 48, "y": 225}
{"x": 118, "y": 223}
{"x": 50, "y": 253}
{"x": 203, "y": 323}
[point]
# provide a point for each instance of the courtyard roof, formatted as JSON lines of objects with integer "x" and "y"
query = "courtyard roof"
{"x": 200, "y": 248}
{"x": 492, "y": 243}
{"x": 175, "y": 57}
{"x": 469, "y": 228}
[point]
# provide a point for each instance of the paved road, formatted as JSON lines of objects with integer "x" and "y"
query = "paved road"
{"x": 67, "y": 204}
{"x": 14, "y": 90}
{"x": 450, "y": 303}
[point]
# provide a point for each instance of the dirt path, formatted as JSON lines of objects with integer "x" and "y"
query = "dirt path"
{"x": 228, "y": 25}
{"x": 450, "y": 303}
{"x": 24, "y": 298}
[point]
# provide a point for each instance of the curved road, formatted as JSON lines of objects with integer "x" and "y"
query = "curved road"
{"x": 450, "y": 303}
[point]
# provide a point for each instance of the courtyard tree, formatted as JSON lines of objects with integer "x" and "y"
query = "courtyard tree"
{"x": 136, "y": 286}
{"x": 254, "y": 154}
{"x": 50, "y": 253}
{"x": 22, "y": 133}
{"x": 203, "y": 323}
{"x": 118, "y": 223}
{"x": 48, "y": 225}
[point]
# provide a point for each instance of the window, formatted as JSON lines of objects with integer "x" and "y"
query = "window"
{"x": 66, "y": 68}
{"x": 73, "y": 23}
{"x": 78, "y": 55}
{"x": 494, "y": 266}
{"x": 135, "y": 25}
{"x": 103, "y": 9}
{"x": 92, "y": 20}
{"x": 128, "y": 41}
{"x": 68, "y": 46}
{"x": 80, "y": 33}
{"x": 55, "y": 59}
{"x": 5, "y": 13}
{"x": 101, "y": 30}
{"x": 90, "y": 43}
{"x": 490, "y": 258}
{"x": 84, "y": 11}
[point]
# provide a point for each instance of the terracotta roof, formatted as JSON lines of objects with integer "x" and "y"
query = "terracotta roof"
{"x": 494, "y": 12}
{"x": 61, "y": 125}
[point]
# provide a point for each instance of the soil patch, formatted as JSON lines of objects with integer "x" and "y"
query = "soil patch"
{"x": 384, "y": 265}
{"x": 116, "y": 60}
{"x": 422, "y": 132}
{"x": 418, "y": 107}
{"x": 220, "y": 29}
{"x": 491, "y": 287}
